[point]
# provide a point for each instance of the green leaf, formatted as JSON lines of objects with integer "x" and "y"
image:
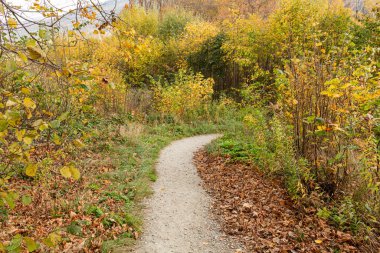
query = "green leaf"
{"x": 9, "y": 200}
{"x": 31, "y": 245}
{"x": 15, "y": 244}
{"x": 52, "y": 240}
{"x": 55, "y": 124}
{"x": 26, "y": 200}
{"x": 13, "y": 195}
{"x": 63, "y": 116}
{"x": 11, "y": 66}
{"x": 31, "y": 170}
{"x": 13, "y": 117}
{"x": 3, "y": 125}
{"x": 74, "y": 229}
{"x": 42, "y": 34}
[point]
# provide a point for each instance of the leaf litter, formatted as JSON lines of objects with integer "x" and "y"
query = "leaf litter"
{"x": 257, "y": 211}
{"x": 61, "y": 208}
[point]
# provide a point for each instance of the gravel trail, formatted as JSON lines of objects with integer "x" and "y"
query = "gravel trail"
{"x": 177, "y": 216}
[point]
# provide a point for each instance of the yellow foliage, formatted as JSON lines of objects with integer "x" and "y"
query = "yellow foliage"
{"x": 195, "y": 34}
{"x": 188, "y": 94}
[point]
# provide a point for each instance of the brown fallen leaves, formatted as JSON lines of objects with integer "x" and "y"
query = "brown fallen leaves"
{"x": 257, "y": 211}
{"x": 59, "y": 202}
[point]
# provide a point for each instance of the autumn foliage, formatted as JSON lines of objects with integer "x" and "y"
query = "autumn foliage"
{"x": 294, "y": 83}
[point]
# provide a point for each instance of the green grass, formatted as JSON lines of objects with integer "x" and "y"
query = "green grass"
{"x": 134, "y": 158}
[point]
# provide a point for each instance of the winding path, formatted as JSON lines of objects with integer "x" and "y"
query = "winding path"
{"x": 177, "y": 215}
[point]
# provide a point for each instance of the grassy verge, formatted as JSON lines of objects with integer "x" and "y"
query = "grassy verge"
{"x": 101, "y": 211}
{"x": 134, "y": 156}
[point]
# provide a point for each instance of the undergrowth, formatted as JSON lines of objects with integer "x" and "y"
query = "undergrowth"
{"x": 264, "y": 141}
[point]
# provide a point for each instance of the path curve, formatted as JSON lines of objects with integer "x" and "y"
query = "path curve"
{"x": 177, "y": 216}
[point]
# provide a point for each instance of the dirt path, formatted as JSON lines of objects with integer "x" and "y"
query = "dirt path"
{"x": 177, "y": 217}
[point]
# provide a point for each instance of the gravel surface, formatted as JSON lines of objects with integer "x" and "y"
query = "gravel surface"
{"x": 178, "y": 219}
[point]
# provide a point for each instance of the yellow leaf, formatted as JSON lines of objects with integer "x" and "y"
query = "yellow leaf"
{"x": 31, "y": 244}
{"x": 29, "y": 103}
{"x": 58, "y": 73}
{"x": 56, "y": 139}
{"x": 31, "y": 170}
{"x": 37, "y": 123}
{"x": 321, "y": 128}
{"x": 65, "y": 172}
{"x": 78, "y": 143}
{"x": 74, "y": 173}
{"x": 29, "y": 115}
{"x": 12, "y": 23}
{"x": 2, "y": 11}
{"x": 23, "y": 57}
{"x": 318, "y": 241}
{"x": 20, "y": 134}
{"x": 76, "y": 25}
{"x": 31, "y": 43}
{"x": 71, "y": 33}
{"x": 52, "y": 240}
{"x": 43, "y": 126}
{"x": 25, "y": 91}
{"x": 28, "y": 140}
{"x": 35, "y": 53}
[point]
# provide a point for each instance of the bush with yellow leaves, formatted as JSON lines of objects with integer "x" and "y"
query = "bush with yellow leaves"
{"x": 185, "y": 98}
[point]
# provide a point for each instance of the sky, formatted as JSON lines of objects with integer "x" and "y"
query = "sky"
{"x": 64, "y": 4}
{"x": 58, "y": 3}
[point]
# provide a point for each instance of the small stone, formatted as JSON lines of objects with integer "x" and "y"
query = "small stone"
{"x": 247, "y": 207}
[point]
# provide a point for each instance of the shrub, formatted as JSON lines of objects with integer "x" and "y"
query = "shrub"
{"x": 185, "y": 97}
